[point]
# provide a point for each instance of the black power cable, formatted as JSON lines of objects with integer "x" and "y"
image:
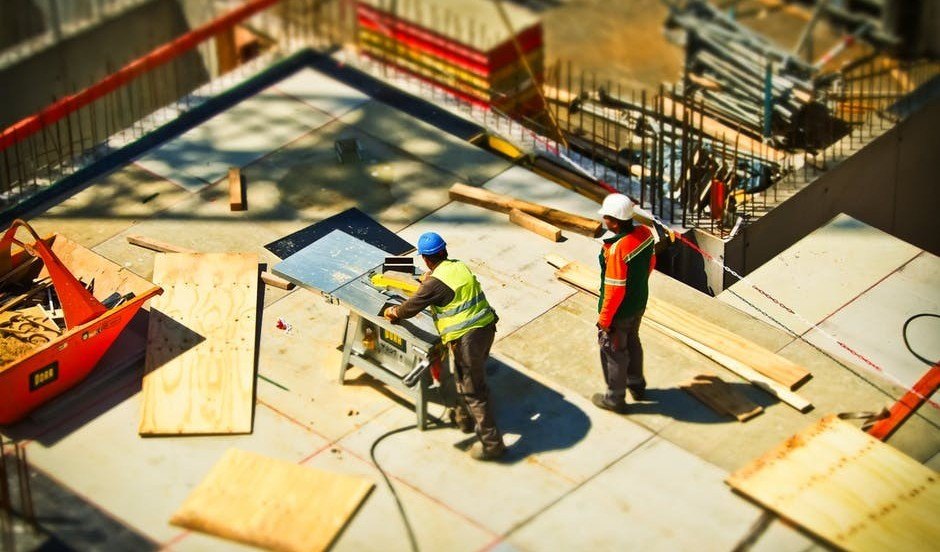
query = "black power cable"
{"x": 908, "y": 345}
{"x": 401, "y": 509}
{"x": 388, "y": 482}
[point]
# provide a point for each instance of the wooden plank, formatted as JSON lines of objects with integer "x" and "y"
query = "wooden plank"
{"x": 535, "y": 225}
{"x": 710, "y": 335}
{"x": 199, "y": 369}
{"x": 505, "y": 204}
{"x": 848, "y": 488}
{"x": 271, "y": 503}
{"x": 236, "y": 191}
{"x": 715, "y": 337}
{"x": 755, "y": 378}
{"x": 156, "y": 245}
{"x": 721, "y": 397}
{"x": 908, "y": 404}
{"x": 163, "y": 247}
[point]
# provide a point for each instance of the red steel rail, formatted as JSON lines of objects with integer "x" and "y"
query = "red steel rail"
{"x": 162, "y": 54}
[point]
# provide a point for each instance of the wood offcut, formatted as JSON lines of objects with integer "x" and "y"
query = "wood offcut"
{"x": 721, "y": 397}
{"x": 535, "y": 225}
{"x": 271, "y": 503}
{"x": 236, "y": 189}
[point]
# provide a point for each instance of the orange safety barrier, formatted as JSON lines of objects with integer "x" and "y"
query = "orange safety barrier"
{"x": 908, "y": 404}
{"x": 59, "y": 110}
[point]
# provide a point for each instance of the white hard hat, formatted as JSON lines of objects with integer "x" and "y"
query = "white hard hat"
{"x": 617, "y": 206}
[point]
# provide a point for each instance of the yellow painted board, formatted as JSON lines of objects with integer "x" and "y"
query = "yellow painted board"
{"x": 199, "y": 370}
{"x": 715, "y": 337}
{"x": 271, "y": 503}
{"x": 848, "y": 488}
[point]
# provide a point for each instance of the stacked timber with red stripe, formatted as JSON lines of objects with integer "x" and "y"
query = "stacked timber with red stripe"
{"x": 464, "y": 48}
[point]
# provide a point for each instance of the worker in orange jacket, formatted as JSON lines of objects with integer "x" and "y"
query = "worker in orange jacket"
{"x": 626, "y": 259}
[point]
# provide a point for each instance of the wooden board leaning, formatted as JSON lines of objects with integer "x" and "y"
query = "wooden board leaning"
{"x": 199, "y": 368}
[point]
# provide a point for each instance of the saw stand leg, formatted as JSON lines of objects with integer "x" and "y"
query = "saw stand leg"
{"x": 352, "y": 323}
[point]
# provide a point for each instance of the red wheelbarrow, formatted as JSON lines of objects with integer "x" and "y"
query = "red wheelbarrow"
{"x": 51, "y": 368}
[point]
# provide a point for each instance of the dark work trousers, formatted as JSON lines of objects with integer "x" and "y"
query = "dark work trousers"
{"x": 469, "y": 353}
{"x": 622, "y": 357}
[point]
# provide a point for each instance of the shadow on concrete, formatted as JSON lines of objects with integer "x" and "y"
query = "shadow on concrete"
{"x": 542, "y": 417}
{"x": 65, "y": 520}
{"x": 682, "y": 406}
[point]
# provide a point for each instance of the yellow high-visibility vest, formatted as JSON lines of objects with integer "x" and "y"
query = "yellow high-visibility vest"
{"x": 469, "y": 308}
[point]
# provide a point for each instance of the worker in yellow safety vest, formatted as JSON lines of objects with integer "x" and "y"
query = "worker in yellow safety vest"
{"x": 467, "y": 324}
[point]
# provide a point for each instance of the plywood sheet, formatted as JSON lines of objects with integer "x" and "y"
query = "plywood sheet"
{"x": 711, "y": 335}
{"x": 271, "y": 503}
{"x": 847, "y": 487}
{"x": 199, "y": 371}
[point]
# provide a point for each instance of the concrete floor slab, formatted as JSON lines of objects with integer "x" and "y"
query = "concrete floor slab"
{"x": 658, "y": 497}
{"x": 820, "y": 273}
{"x": 305, "y": 182}
{"x": 107, "y": 206}
{"x": 873, "y": 323}
{"x": 465, "y": 161}
{"x": 671, "y": 412}
{"x": 201, "y": 222}
{"x": 492, "y": 495}
{"x": 306, "y": 360}
{"x": 148, "y": 479}
{"x": 556, "y": 428}
{"x": 234, "y": 138}
{"x": 322, "y": 92}
{"x": 378, "y": 525}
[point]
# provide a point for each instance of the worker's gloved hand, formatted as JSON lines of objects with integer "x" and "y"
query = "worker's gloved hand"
{"x": 391, "y": 314}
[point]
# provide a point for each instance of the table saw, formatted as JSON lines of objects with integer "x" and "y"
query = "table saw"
{"x": 401, "y": 355}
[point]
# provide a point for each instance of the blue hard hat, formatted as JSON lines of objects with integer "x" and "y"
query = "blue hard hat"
{"x": 430, "y": 243}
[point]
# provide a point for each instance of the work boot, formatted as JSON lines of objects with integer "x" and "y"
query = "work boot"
{"x": 477, "y": 452}
{"x": 637, "y": 393}
{"x": 600, "y": 401}
{"x": 463, "y": 421}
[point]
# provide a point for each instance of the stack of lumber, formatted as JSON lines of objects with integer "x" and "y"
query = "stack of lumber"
{"x": 763, "y": 368}
{"x": 469, "y": 52}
